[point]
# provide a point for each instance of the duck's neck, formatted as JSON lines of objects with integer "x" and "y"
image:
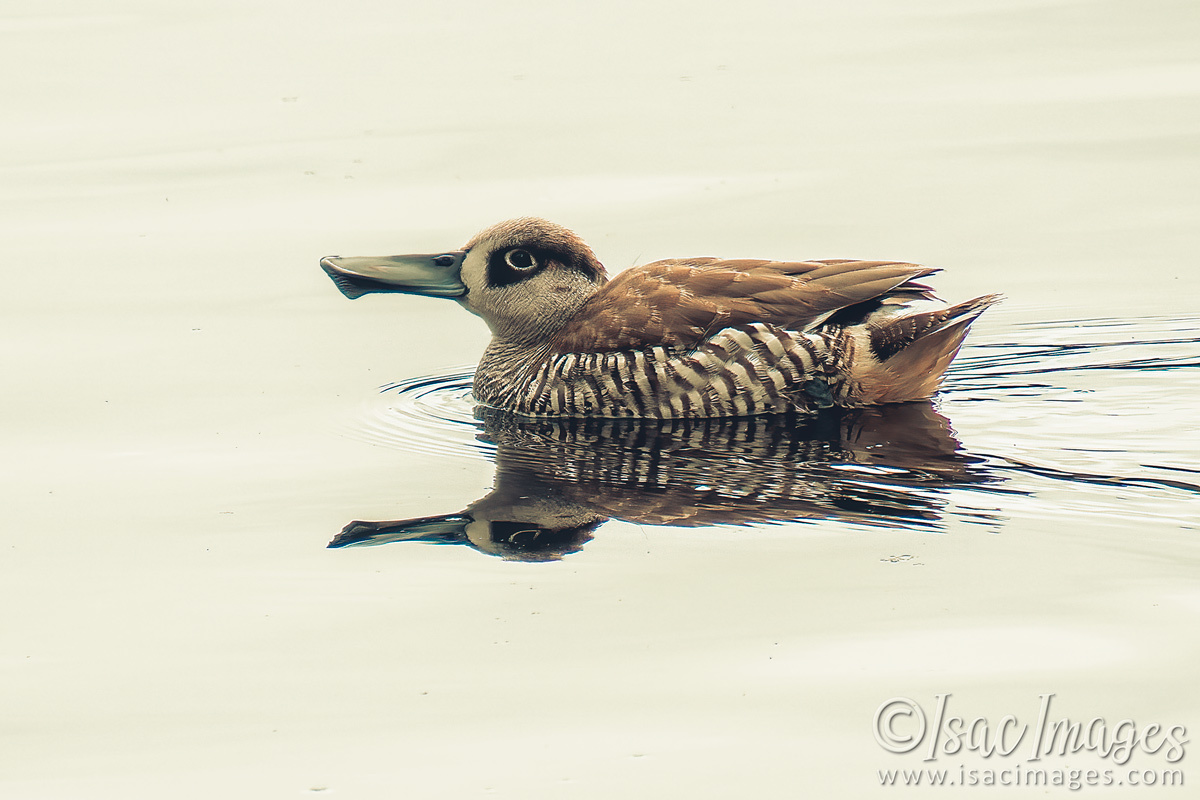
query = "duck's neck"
{"x": 523, "y": 336}
{"x": 505, "y": 369}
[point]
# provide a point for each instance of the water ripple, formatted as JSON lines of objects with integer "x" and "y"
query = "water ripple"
{"x": 1145, "y": 344}
{"x": 1110, "y": 405}
{"x": 430, "y": 415}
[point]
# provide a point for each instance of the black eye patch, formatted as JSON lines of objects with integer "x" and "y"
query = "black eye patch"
{"x": 514, "y": 264}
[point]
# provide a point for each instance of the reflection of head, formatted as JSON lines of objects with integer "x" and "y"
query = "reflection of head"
{"x": 557, "y": 480}
{"x": 514, "y": 540}
{"x": 526, "y": 541}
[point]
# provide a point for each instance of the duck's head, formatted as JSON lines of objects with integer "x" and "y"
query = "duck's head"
{"x": 525, "y": 277}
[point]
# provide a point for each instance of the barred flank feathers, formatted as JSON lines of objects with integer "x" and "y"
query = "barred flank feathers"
{"x": 747, "y": 370}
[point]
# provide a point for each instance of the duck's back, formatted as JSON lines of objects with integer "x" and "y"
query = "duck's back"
{"x": 680, "y": 302}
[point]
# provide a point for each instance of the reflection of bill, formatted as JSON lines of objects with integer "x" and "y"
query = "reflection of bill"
{"x": 557, "y": 480}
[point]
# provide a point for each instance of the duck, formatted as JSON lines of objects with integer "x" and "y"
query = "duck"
{"x": 679, "y": 338}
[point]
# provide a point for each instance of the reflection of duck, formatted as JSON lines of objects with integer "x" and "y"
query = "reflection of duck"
{"x": 697, "y": 337}
{"x": 558, "y": 479}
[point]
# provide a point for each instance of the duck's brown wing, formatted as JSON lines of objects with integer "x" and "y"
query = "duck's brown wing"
{"x": 680, "y": 302}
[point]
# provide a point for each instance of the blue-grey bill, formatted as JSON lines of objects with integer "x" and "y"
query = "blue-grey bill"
{"x": 435, "y": 274}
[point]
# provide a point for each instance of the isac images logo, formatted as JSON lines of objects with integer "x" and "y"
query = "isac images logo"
{"x": 1036, "y": 754}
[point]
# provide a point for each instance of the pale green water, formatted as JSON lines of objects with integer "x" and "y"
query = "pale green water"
{"x": 192, "y": 411}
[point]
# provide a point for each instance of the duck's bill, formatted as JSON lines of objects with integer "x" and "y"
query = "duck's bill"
{"x": 446, "y": 529}
{"x": 435, "y": 275}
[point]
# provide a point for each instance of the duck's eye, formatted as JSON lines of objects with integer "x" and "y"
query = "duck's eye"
{"x": 519, "y": 259}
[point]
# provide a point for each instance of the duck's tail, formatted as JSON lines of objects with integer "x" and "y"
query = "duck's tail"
{"x": 895, "y": 359}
